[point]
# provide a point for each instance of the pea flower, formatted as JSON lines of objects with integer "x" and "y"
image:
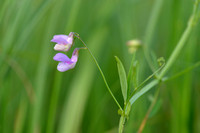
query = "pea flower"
{"x": 64, "y": 42}
{"x": 65, "y": 63}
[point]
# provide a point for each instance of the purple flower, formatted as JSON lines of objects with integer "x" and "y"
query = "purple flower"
{"x": 65, "y": 62}
{"x": 64, "y": 42}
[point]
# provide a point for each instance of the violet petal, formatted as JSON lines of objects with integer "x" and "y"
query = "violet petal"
{"x": 62, "y": 39}
{"x": 64, "y": 66}
{"x": 74, "y": 57}
{"x": 61, "y": 57}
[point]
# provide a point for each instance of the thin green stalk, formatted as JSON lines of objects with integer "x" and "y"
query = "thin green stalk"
{"x": 153, "y": 74}
{"x": 124, "y": 116}
{"x": 121, "y": 123}
{"x": 102, "y": 74}
{"x": 177, "y": 50}
{"x": 182, "y": 41}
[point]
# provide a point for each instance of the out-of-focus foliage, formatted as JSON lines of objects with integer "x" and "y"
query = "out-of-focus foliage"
{"x": 35, "y": 97}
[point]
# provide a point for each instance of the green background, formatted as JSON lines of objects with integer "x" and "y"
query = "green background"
{"x": 35, "y": 97}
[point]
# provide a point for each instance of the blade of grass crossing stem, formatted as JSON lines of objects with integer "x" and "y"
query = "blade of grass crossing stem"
{"x": 122, "y": 77}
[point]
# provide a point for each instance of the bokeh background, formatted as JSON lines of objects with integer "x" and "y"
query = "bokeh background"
{"x": 35, "y": 97}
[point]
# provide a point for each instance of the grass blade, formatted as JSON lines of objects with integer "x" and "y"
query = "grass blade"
{"x": 143, "y": 90}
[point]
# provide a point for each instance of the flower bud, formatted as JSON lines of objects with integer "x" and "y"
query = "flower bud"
{"x": 133, "y": 45}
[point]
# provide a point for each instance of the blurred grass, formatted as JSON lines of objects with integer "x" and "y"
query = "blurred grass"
{"x": 77, "y": 100}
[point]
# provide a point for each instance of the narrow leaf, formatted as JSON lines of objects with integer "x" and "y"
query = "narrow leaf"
{"x": 143, "y": 90}
{"x": 130, "y": 75}
{"x": 122, "y": 77}
{"x": 132, "y": 79}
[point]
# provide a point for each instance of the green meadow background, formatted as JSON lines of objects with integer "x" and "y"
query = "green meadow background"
{"x": 36, "y": 98}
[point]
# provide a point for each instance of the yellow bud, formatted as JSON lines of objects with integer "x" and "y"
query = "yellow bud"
{"x": 133, "y": 45}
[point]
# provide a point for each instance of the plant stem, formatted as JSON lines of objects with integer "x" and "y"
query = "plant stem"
{"x": 177, "y": 50}
{"x": 124, "y": 116}
{"x": 121, "y": 123}
{"x": 182, "y": 41}
{"x": 102, "y": 74}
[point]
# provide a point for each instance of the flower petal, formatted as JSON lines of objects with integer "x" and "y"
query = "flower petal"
{"x": 64, "y": 66}
{"x": 62, "y": 47}
{"x": 74, "y": 57}
{"x": 61, "y": 57}
{"x": 62, "y": 39}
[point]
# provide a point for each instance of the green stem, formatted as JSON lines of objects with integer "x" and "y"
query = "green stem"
{"x": 121, "y": 123}
{"x": 176, "y": 52}
{"x": 153, "y": 74}
{"x": 181, "y": 43}
{"x": 102, "y": 74}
